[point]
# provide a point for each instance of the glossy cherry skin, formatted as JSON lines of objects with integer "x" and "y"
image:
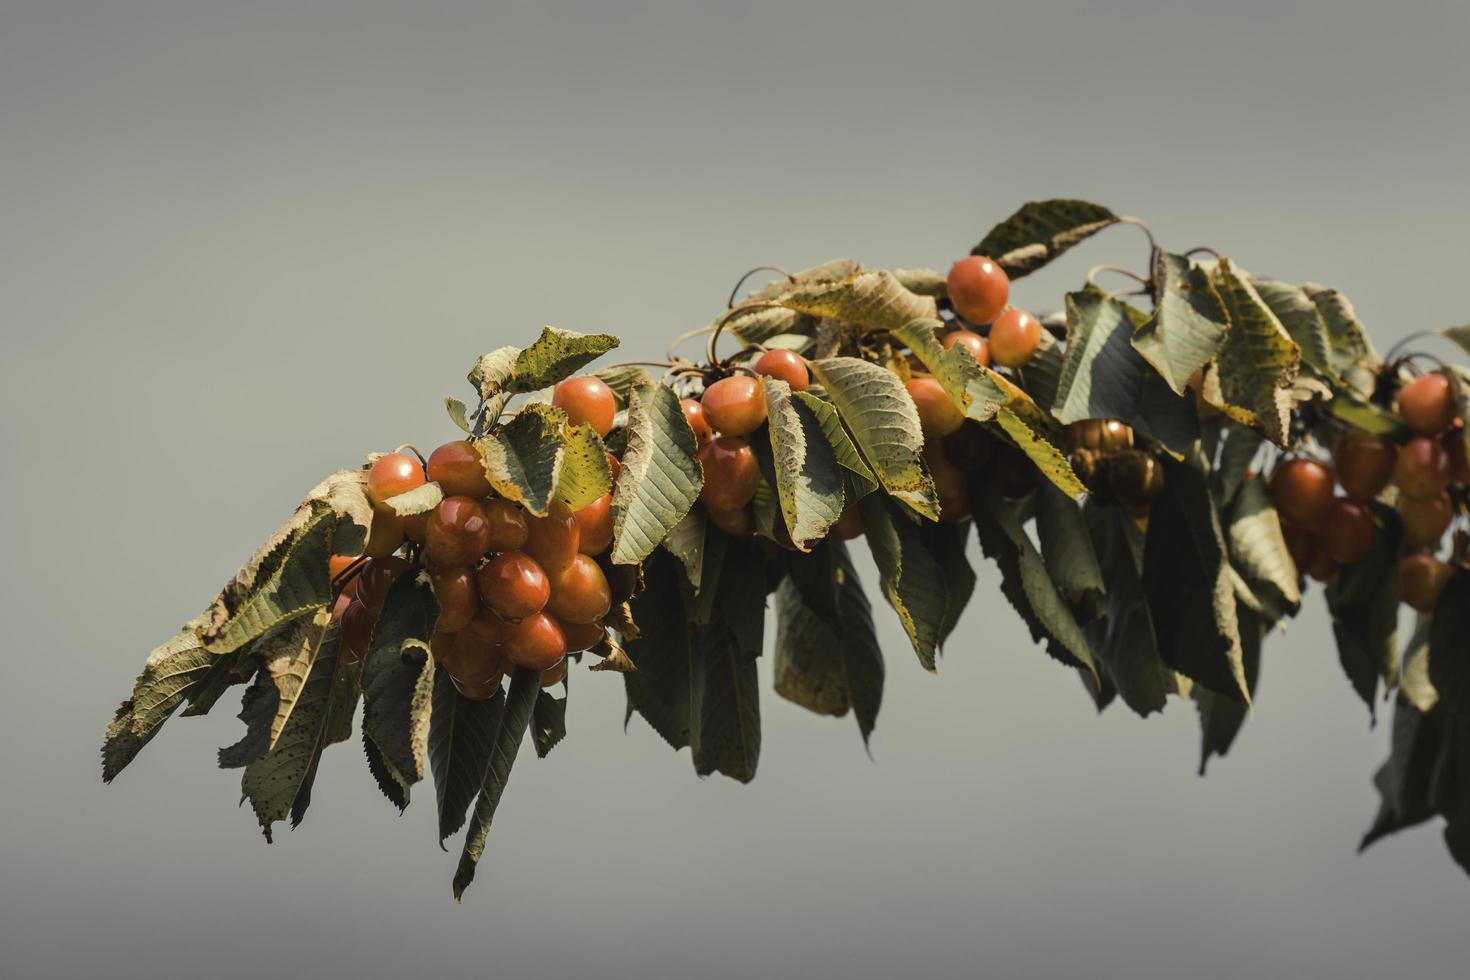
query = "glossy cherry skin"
{"x": 1421, "y": 580}
{"x": 971, "y": 341}
{"x": 1422, "y": 468}
{"x": 1114, "y": 436}
{"x": 553, "y": 676}
{"x": 734, "y": 406}
{"x": 375, "y": 578}
{"x": 458, "y": 532}
{"x": 357, "y": 633}
{"x": 1301, "y": 542}
{"x": 1136, "y": 479}
{"x": 1302, "y": 490}
{"x": 615, "y": 465}
{"x": 1347, "y": 532}
{"x": 1324, "y": 567}
{"x": 731, "y": 473}
{"x": 595, "y": 526}
{"x": 736, "y": 521}
{"x": 1427, "y": 404}
{"x": 786, "y": 365}
{"x": 459, "y": 470}
{"x": 694, "y": 415}
{"x": 978, "y": 289}
{"x": 513, "y": 585}
{"x": 536, "y": 642}
{"x": 1364, "y": 465}
{"x": 1425, "y": 519}
{"x": 581, "y": 636}
{"x": 849, "y": 524}
{"x": 554, "y": 539}
{"x": 510, "y": 525}
{"x": 938, "y": 415}
{"x": 587, "y": 398}
{"x": 458, "y": 596}
{"x": 579, "y": 593}
{"x": 393, "y": 474}
{"x": 1014, "y": 337}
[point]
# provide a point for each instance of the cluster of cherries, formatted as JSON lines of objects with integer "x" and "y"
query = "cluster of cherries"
{"x": 513, "y": 589}
{"x": 1325, "y": 531}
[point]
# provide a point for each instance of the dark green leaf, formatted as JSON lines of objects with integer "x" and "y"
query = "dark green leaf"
{"x": 660, "y": 478}
{"x": 808, "y": 480}
{"x": 1449, "y": 645}
{"x": 524, "y": 459}
{"x": 1067, "y": 550}
{"x": 461, "y": 732}
{"x": 1353, "y": 359}
{"x": 548, "y": 722}
{"x": 946, "y": 542}
{"x": 1221, "y": 717}
{"x": 1303, "y": 322}
{"x": 173, "y": 672}
{"x": 459, "y": 413}
{"x": 1187, "y": 325}
{"x": 1364, "y": 603}
{"x": 398, "y": 683}
{"x": 659, "y": 688}
{"x": 724, "y": 691}
{"x": 857, "y": 479}
{"x": 1405, "y": 781}
{"x": 1123, "y": 642}
{"x": 556, "y": 355}
{"x": 1237, "y": 453}
{"x": 912, "y": 579}
{"x": 1258, "y": 361}
{"x": 1259, "y": 553}
{"x": 1040, "y": 231}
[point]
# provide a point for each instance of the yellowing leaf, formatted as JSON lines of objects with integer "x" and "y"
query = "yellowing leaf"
{"x": 660, "y": 478}
{"x": 1257, "y": 363}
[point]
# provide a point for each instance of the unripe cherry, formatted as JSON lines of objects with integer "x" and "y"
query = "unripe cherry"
{"x": 1014, "y": 338}
{"x": 1364, "y": 465}
{"x": 392, "y": 474}
{"x": 938, "y": 415}
{"x": 510, "y": 525}
{"x": 786, "y": 365}
{"x": 731, "y": 473}
{"x": 536, "y": 642}
{"x": 734, "y": 406}
{"x": 579, "y": 592}
{"x": 1302, "y": 490}
{"x": 970, "y": 341}
{"x": 1347, "y": 532}
{"x": 587, "y": 398}
{"x": 513, "y": 585}
{"x": 1425, "y": 519}
{"x": 1427, "y": 404}
{"x": 1422, "y": 468}
{"x": 1421, "y": 580}
{"x": 457, "y": 533}
{"x": 595, "y": 526}
{"x": 978, "y": 289}
{"x": 459, "y": 470}
{"x": 554, "y": 539}
{"x": 694, "y": 415}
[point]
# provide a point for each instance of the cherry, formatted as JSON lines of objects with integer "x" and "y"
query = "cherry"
{"x": 1014, "y": 338}
{"x": 849, "y": 525}
{"x": 1347, "y": 532}
{"x": 1301, "y": 542}
{"x": 459, "y": 470}
{"x": 950, "y": 485}
{"x": 357, "y": 633}
{"x": 978, "y": 288}
{"x": 1422, "y": 468}
{"x": 581, "y": 636}
{"x": 486, "y": 630}
{"x": 510, "y": 527}
{"x": 1364, "y": 465}
{"x": 1092, "y": 469}
{"x": 457, "y": 533}
{"x": 339, "y": 606}
{"x": 1425, "y": 519}
{"x": 694, "y": 415}
{"x": 595, "y": 526}
{"x": 535, "y": 642}
{"x": 970, "y": 341}
{"x": 1013, "y": 473}
{"x": 1085, "y": 434}
{"x": 938, "y": 416}
{"x": 622, "y": 579}
{"x": 969, "y": 447}
{"x": 1421, "y": 579}
{"x": 458, "y": 596}
{"x": 1136, "y": 479}
{"x": 474, "y": 665}
{"x": 734, "y": 406}
{"x": 1324, "y": 567}
{"x": 386, "y": 534}
{"x": 416, "y": 527}
{"x": 1302, "y": 490}
{"x": 554, "y": 675}
{"x": 392, "y": 474}
{"x": 513, "y": 585}
{"x": 579, "y": 592}
{"x": 1454, "y": 444}
{"x": 337, "y": 564}
{"x": 615, "y": 465}
{"x": 586, "y": 398}
{"x": 734, "y": 521}
{"x": 1114, "y": 436}
{"x": 554, "y": 539}
{"x": 1427, "y": 404}
{"x": 786, "y": 365}
{"x": 731, "y": 473}
{"x": 376, "y": 578}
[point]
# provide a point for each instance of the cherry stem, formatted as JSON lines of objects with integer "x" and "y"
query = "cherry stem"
{"x": 687, "y": 335}
{"x": 655, "y": 364}
{"x": 1107, "y": 267}
{"x": 714, "y": 337}
{"x": 730, "y": 303}
{"x": 1153, "y": 246}
{"x": 1397, "y": 348}
{"x": 1203, "y": 248}
{"x": 413, "y": 449}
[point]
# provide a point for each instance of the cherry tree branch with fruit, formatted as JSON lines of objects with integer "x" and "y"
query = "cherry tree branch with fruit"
{"x": 1159, "y": 473}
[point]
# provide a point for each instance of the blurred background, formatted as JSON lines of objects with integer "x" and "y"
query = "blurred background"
{"x": 245, "y": 244}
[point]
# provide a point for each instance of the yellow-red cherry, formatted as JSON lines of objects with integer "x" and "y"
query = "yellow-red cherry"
{"x": 978, "y": 289}
{"x": 510, "y": 525}
{"x": 1422, "y": 468}
{"x": 457, "y": 533}
{"x": 554, "y": 539}
{"x": 971, "y": 341}
{"x": 786, "y": 365}
{"x": 1427, "y": 404}
{"x": 392, "y": 474}
{"x": 938, "y": 415}
{"x": 595, "y": 526}
{"x": 459, "y": 470}
{"x": 513, "y": 585}
{"x": 587, "y": 398}
{"x": 1347, "y": 531}
{"x": 734, "y": 406}
{"x": 535, "y": 642}
{"x": 1425, "y": 519}
{"x": 1364, "y": 465}
{"x": 1302, "y": 490}
{"x": 1014, "y": 337}
{"x": 579, "y": 592}
{"x": 1421, "y": 580}
{"x": 694, "y": 415}
{"x": 731, "y": 473}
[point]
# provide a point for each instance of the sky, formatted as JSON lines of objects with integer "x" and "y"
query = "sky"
{"x": 245, "y": 244}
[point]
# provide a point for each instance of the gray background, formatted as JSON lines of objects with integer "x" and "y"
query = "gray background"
{"x": 244, "y": 243}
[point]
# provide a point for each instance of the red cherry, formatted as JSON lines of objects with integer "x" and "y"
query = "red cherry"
{"x": 735, "y": 406}
{"x": 786, "y": 365}
{"x": 730, "y": 473}
{"x": 587, "y": 398}
{"x": 393, "y": 474}
{"x": 595, "y": 526}
{"x": 694, "y": 414}
{"x": 554, "y": 539}
{"x": 1302, "y": 490}
{"x": 458, "y": 596}
{"x": 850, "y": 524}
{"x": 978, "y": 289}
{"x": 459, "y": 470}
{"x": 510, "y": 526}
{"x": 1347, "y": 532}
{"x": 1425, "y": 519}
{"x": 457, "y": 533}
{"x": 1014, "y": 337}
{"x": 579, "y": 592}
{"x": 736, "y": 521}
{"x": 1421, "y": 580}
{"x": 1364, "y": 465}
{"x": 375, "y": 579}
{"x": 1422, "y": 468}
{"x": 1427, "y": 404}
{"x": 513, "y": 585}
{"x": 970, "y": 341}
{"x": 357, "y": 633}
{"x": 1301, "y": 542}
{"x": 553, "y": 676}
{"x": 581, "y": 636}
{"x": 535, "y": 642}
{"x": 938, "y": 415}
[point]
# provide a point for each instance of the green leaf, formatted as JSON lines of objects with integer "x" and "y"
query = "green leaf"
{"x": 1188, "y": 584}
{"x": 419, "y": 500}
{"x": 1104, "y": 375}
{"x": 174, "y": 671}
{"x": 278, "y": 784}
{"x": 1459, "y": 334}
{"x": 585, "y": 474}
{"x": 659, "y": 689}
{"x": 1449, "y": 648}
{"x": 1352, "y": 356}
{"x": 1259, "y": 553}
{"x": 1237, "y": 453}
{"x": 1044, "y": 372}
{"x": 623, "y": 379}
{"x": 510, "y": 731}
{"x": 524, "y": 459}
{"x": 1368, "y": 416}
{"x": 1406, "y": 780}
{"x": 1040, "y": 231}
{"x": 461, "y": 732}
{"x": 287, "y": 657}
{"x": 1302, "y": 320}
{"x": 947, "y": 543}
{"x": 925, "y": 282}
{"x": 548, "y": 722}
{"x": 827, "y": 654}
{"x": 660, "y": 478}
{"x": 869, "y": 299}
{"x": 1025, "y": 581}
{"x": 1068, "y": 553}
{"x": 857, "y": 479}
{"x": 459, "y": 413}
{"x": 258, "y": 712}
{"x": 910, "y": 576}
{"x": 1257, "y": 363}
{"x": 557, "y": 355}
{"x": 884, "y": 424}
{"x": 686, "y": 543}
{"x": 1187, "y": 325}
{"x": 724, "y": 690}
{"x": 1123, "y": 642}
{"x": 398, "y": 682}
{"x": 1364, "y": 603}
{"x": 1221, "y": 717}
{"x": 808, "y": 479}
{"x": 229, "y": 670}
